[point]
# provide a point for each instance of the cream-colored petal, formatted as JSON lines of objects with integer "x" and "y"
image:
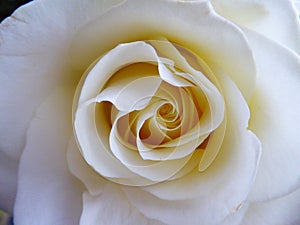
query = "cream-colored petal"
{"x": 93, "y": 181}
{"x": 131, "y": 95}
{"x": 274, "y": 117}
{"x": 95, "y": 149}
{"x": 214, "y": 144}
{"x": 110, "y": 63}
{"x": 276, "y": 20}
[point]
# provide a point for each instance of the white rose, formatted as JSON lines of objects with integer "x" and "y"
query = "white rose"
{"x": 184, "y": 112}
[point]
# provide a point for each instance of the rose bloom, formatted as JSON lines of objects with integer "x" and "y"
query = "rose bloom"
{"x": 151, "y": 112}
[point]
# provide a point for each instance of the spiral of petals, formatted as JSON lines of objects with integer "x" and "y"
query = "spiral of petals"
{"x": 151, "y": 113}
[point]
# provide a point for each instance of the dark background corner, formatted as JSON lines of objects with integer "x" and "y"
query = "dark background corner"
{"x": 8, "y": 6}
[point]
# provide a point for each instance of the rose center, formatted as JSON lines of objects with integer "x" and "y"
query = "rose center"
{"x": 144, "y": 106}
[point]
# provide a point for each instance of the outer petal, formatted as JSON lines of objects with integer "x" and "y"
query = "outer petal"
{"x": 47, "y": 193}
{"x": 111, "y": 207}
{"x": 275, "y": 115}
{"x": 282, "y": 211}
{"x": 276, "y": 20}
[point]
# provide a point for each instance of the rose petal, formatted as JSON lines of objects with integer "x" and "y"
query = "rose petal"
{"x": 276, "y": 20}
{"x": 282, "y": 211}
{"x": 47, "y": 193}
{"x": 108, "y": 65}
{"x": 111, "y": 206}
{"x": 79, "y": 168}
{"x": 125, "y": 94}
{"x": 213, "y": 146}
{"x": 208, "y": 199}
{"x": 275, "y": 116}
{"x": 193, "y": 25}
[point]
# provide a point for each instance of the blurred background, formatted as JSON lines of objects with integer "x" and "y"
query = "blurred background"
{"x": 8, "y": 6}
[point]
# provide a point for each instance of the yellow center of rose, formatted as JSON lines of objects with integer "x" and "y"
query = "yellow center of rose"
{"x": 146, "y": 113}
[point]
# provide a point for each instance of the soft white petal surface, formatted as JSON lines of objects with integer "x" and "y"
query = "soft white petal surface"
{"x": 282, "y": 211}
{"x": 276, "y": 20}
{"x": 275, "y": 115}
{"x": 111, "y": 206}
{"x": 47, "y": 193}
